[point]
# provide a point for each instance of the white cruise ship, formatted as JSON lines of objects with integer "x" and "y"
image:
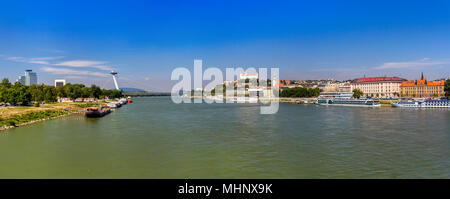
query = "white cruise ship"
{"x": 442, "y": 103}
{"x": 344, "y": 99}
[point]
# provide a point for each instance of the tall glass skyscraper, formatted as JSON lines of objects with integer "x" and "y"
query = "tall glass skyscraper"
{"x": 30, "y": 78}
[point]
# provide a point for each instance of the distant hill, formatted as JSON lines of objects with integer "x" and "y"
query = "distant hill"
{"x": 130, "y": 90}
{"x": 140, "y": 92}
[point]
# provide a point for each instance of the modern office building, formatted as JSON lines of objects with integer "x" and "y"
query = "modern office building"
{"x": 21, "y": 79}
{"x": 30, "y": 78}
{"x": 60, "y": 82}
{"x": 422, "y": 88}
{"x": 383, "y": 87}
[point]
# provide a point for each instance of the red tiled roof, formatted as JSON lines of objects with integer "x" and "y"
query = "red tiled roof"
{"x": 379, "y": 79}
{"x": 422, "y": 82}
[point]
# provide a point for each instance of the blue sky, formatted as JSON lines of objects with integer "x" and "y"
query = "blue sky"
{"x": 145, "y": 40}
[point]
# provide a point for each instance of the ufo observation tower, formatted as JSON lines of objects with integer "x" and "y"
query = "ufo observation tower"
{"x": 114, "y": 73}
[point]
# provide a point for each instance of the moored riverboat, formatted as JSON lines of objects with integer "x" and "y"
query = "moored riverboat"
{"x": 97, "y": 111}
{"x": 345, "y": 99}
{"x": 123, "y": 101}
{"x": 441, "y": 103}
{"x": 114, "y": 105}
{"x": 349, "y": 102}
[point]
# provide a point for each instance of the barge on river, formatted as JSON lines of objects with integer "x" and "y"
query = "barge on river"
{"x": 97, "y": 112}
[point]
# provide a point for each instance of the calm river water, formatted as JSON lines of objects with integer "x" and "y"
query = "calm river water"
{"x": 154, "y": 138}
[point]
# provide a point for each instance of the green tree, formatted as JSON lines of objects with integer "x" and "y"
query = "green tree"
{"x": 5, "y": 94}
{"x": 300, "y": 92}
{"x": 219, "y": 89}
{"x": 60, "y": 92}
{"x": 50, "y": 94}
{"x": 85, "y": 92}
{"x": 447, "y": 87}
{"x": 5, "y": 83}
{"x": 95, "y": 91}
{"x": 111, "y": 94}
{"x": 4, "y": 86}
{"x": 357, "y": 93}
{"x": 37, "y": 93}
{"x": 20, "y": 94}
{"x": 73, "y": 91}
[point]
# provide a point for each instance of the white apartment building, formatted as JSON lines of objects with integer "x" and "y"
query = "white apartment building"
{"x": 60, "y": 82}
{"x": 382, "y": 87}
{"x": 248, "y": 76}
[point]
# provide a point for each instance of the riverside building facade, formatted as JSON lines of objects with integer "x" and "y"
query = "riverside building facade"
{"x": 422, "y": 88}
{"x": 383, "y": 87}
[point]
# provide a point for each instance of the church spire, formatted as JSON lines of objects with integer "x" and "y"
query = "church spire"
{"x": 422, "y": 76}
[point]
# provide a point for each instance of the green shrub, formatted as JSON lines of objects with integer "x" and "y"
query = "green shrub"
{"x": 87, "y": 105}
{"x": 32, "y": 116}
{"x": 10, "y": 123}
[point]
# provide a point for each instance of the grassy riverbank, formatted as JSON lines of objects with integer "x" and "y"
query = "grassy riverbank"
{"x": 11, "y": 117}
{"x": 298, "y": 99}
{"x": 20, "y": 119}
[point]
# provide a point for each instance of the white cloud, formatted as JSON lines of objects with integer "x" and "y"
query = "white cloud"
{"x": 85, "y": 64}
{"x": 46, "y": 58}
{"x": 66, "y": 71}
{"x": 79, "y": 63}
{"x": 53, "y": 50}
{"x": 425, "y": 62}
{"x": 100, "y": 65}
{"x": 74, "y": 77}
{"x": 17, "y": 59}
{"x": 35, "y": 60}
{"x": 38, "y": 62}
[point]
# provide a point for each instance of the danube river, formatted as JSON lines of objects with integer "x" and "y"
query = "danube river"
{"x": 154, "y": 138}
